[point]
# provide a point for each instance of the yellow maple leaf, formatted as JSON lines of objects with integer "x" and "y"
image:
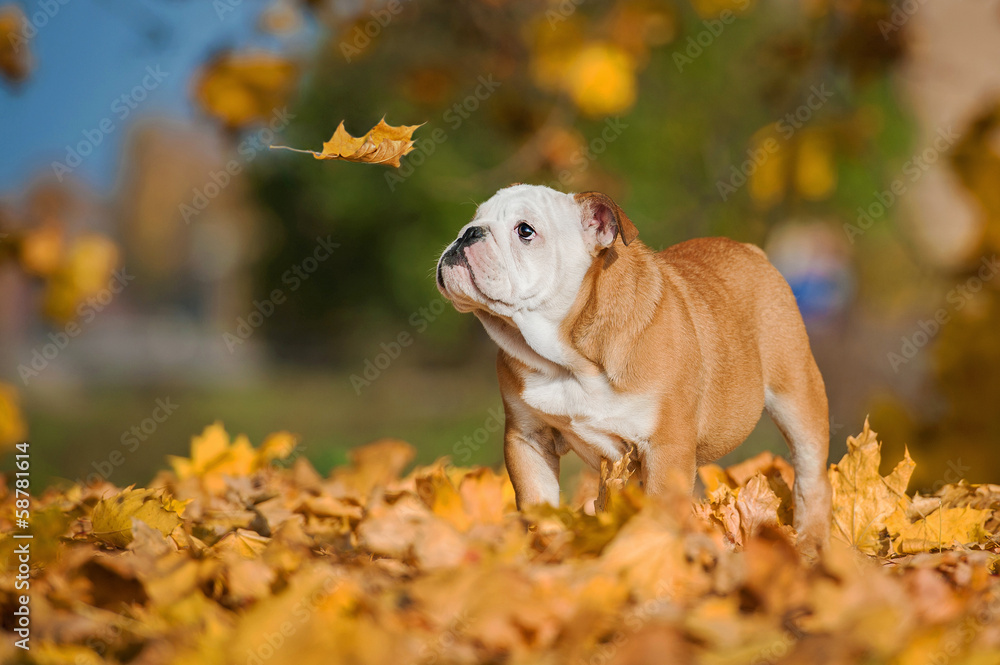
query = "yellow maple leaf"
{"x": 938, "y": 530}
{"x": 213, "y": 456}
{"x": 439, "y": 494}
{"x": 275, "y": 447}
{"x": 487, "y": 496}
{"x": 112, "y": 517}
{"x": 376, "y": 464}
{"x": 211, "y": 445}
{"x": 862, "y": 498}
{"x": 383, "y": 144}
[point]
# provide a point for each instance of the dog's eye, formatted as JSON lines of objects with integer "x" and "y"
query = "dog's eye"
{"x": 525, "y": 232}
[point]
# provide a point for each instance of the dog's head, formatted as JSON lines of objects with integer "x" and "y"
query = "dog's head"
{"x": 529, "y": 248}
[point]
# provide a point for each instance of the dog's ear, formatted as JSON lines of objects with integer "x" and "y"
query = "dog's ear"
{"x": 604, "y": 220}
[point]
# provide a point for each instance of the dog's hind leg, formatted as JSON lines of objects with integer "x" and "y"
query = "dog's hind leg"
{"x": 798, "y": 406}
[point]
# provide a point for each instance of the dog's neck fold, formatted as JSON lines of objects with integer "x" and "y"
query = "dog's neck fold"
{"x": 615, "y": 304}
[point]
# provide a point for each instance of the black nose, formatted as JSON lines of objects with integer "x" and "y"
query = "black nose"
{"x": 472, "y": 234}
{"x": 454, "y": 254}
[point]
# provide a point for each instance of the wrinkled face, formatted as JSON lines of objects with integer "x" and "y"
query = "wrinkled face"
{"x": 526, "y": 249}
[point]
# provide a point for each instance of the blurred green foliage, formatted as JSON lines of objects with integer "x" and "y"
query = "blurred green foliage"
{"x": 692, "y": 122}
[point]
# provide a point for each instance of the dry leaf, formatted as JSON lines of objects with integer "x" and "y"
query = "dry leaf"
{"x": 940, "y": 529}
{"x": 277, "y": 446}
{"x": 614, "y": 476}
{"x": 112, "y": 518}
{"x": 757, "y": 505}
{"x": 284, "y": 567}
{"x": 214, "y": 458}
{"x": 243, "y": 543}
{"x": 862, "y": 498}
{"x": 383, "y": 144}
{"x": 442, "y": 497}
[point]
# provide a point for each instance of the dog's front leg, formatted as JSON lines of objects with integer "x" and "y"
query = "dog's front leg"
{"x": 532, "y": 464}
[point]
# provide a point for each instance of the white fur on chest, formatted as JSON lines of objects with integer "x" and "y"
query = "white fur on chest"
{"x": 595, "y": 420}
{"x": 601, "y": 421}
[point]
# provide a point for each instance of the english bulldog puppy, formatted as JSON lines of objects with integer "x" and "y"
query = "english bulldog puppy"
{"x": 605, "y": 345}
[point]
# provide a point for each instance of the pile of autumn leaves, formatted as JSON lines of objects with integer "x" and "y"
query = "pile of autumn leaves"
{"x": 248, "y": 555}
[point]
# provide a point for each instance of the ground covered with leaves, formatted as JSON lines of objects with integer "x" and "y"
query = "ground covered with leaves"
{"x": 248, "y": 555}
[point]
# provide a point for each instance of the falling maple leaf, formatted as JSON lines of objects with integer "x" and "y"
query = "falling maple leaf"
{"x": 383, "y": 144}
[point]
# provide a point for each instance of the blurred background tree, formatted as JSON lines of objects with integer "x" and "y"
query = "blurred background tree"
{"x": 781, "y": 123}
